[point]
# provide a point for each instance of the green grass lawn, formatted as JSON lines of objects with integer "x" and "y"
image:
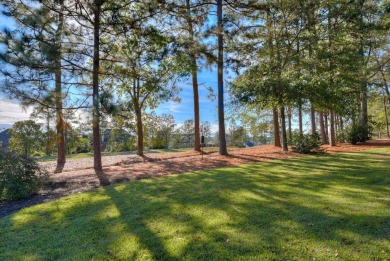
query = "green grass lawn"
{"x": 329, "y": 207}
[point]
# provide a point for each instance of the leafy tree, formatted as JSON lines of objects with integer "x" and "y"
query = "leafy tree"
{"x": 186, "y": 131}
{"x": 144, "y": 74}
{"x": 26, "y": 137}
{"x": 206, "y": 130}
{"x": 237, "y": 135}
{"x": 73, "y": 140}
{"x": 379, "y": 112}
{"x": 163, "y": 126}
{"x": 46, "y": 114}
{"x": 122, "y": 133}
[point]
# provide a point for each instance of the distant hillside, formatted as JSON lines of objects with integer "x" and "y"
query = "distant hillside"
{"x": 4, "y": 138}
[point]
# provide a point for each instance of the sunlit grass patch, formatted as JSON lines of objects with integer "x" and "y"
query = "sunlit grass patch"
{"x": 324, "y": 207}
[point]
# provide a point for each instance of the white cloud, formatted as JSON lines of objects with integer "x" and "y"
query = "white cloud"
{"x": 174, "y": 107}
{"x": 214, "y": 128}
{"x": 11, "y": 112}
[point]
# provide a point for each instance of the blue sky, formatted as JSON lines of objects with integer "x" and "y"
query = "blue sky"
{"x": 184, "y": 110}
{"x": 10, "y": 112}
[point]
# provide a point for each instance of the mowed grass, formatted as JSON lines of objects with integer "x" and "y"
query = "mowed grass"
{"x": 329, "y": 207}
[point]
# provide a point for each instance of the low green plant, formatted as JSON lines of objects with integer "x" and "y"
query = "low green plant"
{"x": 20, "y": 176}
{"x": 305, "y": 143}
{"x": 36, "y": 154}
{"x": 357, "y": 133}
{"x": 341, "y": 136}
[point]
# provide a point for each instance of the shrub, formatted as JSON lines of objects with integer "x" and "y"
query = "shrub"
{"x": 305, "y": 143}
{"x": 20, "y": 176}
{"x": 341, "y": 136}
{"x": 357, "y": 133}
{"x": 36, "y": 154}
{"x": 157, "y": 143}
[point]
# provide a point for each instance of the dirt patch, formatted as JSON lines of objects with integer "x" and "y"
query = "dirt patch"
{"x": 79, "y": 176}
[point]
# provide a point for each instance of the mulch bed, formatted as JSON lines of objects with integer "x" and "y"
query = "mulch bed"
{"x": 79, "y": 176}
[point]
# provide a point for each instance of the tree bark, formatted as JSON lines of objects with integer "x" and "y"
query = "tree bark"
{"x": 386, "y": 117}
{"x": 363, "y": 79}
{"x": 196, "y": 106}
{"x": 300, "y": 122}
{"x": 322, "y": 128}
{"x": 140, "y": 133}
{"x": 276, "y": 127}
{"x": 97, "y": 163}
{"x": 221, "y": 112}
{"x": 48, "y": 133}
{"x": 195, "y": 87}
{"x": 289, "y": 123}
{"x": 61, "y": 149}
{"x": 313, "y": 120}
{"x": 326, "y": 126}
{"x": 332, "y": 136}
{"x": 284, "y": 133}
{"x": 364, "y": 117}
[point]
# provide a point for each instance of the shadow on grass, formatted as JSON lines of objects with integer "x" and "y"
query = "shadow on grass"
{"x": 288, "y": 209}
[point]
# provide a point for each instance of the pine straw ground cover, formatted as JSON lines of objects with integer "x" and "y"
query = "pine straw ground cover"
{"x": 319, "y": 207}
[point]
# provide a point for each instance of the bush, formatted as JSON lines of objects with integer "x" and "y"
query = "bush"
{"x": 305, "y": 143}
{"x": 36, "y": 154}
{"x": 341, "y": 136}
{"x": 20, "y": 176}
{"x": 357, "y": 133}
{"x": 157, "y": 143}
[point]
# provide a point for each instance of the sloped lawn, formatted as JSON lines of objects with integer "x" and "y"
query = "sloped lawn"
{"x": 312, "y": 208}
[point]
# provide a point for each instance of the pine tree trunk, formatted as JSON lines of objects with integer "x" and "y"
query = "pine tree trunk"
{"x": 386, "y": 116}
{"x": 194, "y": 71}
{"x": 364, "y": 118}
{"x": 313, "y": 120}
{"x": 326, "y": 126}
{"x": 332, "y": 136}
{"x": 357, "y": 118}
{"x": 300, "y": 121}
{"x": 48, "y": 133}
{"x": 284, "y": 133}
{"x": 221, "y": 112}
{"x": 66, "y": 139}
{"x": 276, "y": 127}
{"x": 196, "y": 106}
{"x": 289, "y": 124}
{"x": 363, "y": 79}
{"x": 330, "y": 128}
{"x": 97, "y": 157}
{"x": 61, "y": 149}
{"x": 140, "y": 133}
{"x": 322, "y": 128}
